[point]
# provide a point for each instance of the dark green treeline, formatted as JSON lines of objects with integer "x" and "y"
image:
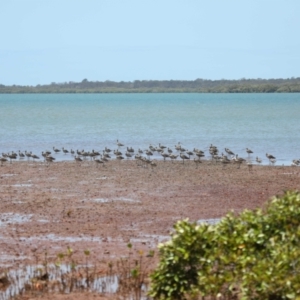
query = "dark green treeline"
{"x": 291, "y": 85}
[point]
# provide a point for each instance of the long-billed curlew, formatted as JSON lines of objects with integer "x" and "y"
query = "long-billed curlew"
{"x": 173, "y": 156}
{"x": 65, "y": 151}
{"x": 56, "y": 150}
{"x": 183, "y": 157}
{"x": 99, "y": 161}
{"x": 77, "y": 159}
{"x": 12, "y": 156}
{"x": 28, "y": 154}
{"x": 117, "y": 152}
{"x": 149, "y": 153}
{"x": 165, "y": 155}
{"x": 238, "y": 160}
{"x": 35, "y": 157}
{"x": 107, "y": 150}
{"x": 130, "y": 150}
{"x": 271, "y": 158}
{"x": 21, "y": 155}
{"x": 228, "y": 151}
{"x": 49, "y": 159}
{"x": 128, "y": 155}
{"x": 249, "y": 151}
{"x": 119, "y": 144}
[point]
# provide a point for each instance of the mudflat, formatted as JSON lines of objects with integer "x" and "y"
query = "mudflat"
{"x": 47, "y": 208}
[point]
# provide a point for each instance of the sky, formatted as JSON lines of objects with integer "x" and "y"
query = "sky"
{"x": 60, "y": 41}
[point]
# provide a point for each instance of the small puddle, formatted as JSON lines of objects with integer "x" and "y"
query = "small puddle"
{"x": 22, "y": 185}
{"x": 57, "y": 238}
{"x": 12, "y": 218}
{"x": 105, "y": 200}
{"x": 150, "y": 238}
{"x": 66, "y": 279}
{"x": 209, "y": 221}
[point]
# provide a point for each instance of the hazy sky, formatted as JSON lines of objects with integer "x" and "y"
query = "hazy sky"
{"x": 69, "y": 40}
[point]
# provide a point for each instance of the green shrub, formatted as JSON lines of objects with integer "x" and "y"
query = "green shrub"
{"x": 255, "y": 255}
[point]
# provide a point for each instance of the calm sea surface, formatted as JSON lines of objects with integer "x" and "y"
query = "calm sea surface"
{"x": 262, "y": 122}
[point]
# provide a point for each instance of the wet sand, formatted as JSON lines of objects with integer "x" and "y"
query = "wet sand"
{"x": 48, "y": 208}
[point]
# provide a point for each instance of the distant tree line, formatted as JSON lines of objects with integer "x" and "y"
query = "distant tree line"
{"x": 290, "y": 85}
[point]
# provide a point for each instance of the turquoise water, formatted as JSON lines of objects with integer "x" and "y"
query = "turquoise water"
{"x": 262, "y": 122}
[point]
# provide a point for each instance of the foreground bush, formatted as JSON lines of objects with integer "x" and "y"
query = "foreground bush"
{"x": 255, "y": 255}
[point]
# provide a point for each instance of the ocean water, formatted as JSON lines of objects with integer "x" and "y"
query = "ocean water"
{"x": 262, "y": 122}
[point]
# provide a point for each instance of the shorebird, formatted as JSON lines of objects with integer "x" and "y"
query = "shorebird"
{"x": 21, "y": 155}
{"x": 173, "y": 156}
{"x": 183, "y": 157}
{"x": 106, "y": 155}
{"x": 49, "y": 159}
{"x": 213, "y": 150}
{"x": 65, "y": 151}
{"x": 151, "y": 148}
{"x": 161, "y": 146}
{"x": 130, "y": 150}
{"x": 92, "y": 155}
{"x": 104, "y": 158}
{"x": 119, "y": 144}
{"x": 200, "y": 154}
{"x": 189, "y": 153}
{"x": 77, "y": 159}
{"x": 12, "y": 156}
{"x": 35, "y": 157}
{"x": 99, "y": 161}
{"x": 249, "y": 151}
{"x": 258, "y": 160}
{"x": 239, "y": 160}
{"x": 296, "y": 162}
{"x": 178, "y": 146}
{"x": 56, "y": 150}
{"x": 107, "y": 150}
{"x": 128, "y": 155}
{"x": 271, "y": 158}
{"x": 228, "y": 151}
{"x": 165, "y": 155}
{"x": 159, "y": 150}
{"x": 117, "y": 152}
{"x": 96, "y": 153}
{"x": 149, "y": 153}
{"x": 28, "y": 154}
{"x": 170, "y": 150}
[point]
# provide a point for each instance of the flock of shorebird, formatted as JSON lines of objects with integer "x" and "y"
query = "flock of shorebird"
{"x": 144, "y": 156}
